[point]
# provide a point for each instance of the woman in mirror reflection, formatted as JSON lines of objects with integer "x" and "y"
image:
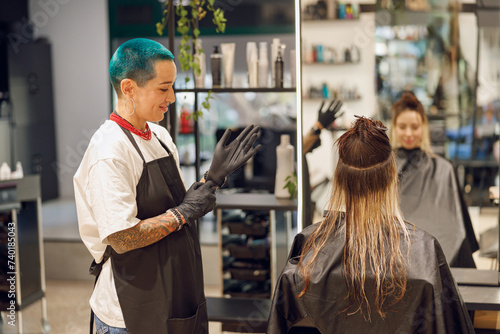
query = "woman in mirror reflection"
{"x": 363, "y": 269}
{"x": 430, "y": 193}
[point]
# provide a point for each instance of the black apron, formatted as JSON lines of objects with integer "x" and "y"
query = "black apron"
{"x": 160, "y": 287}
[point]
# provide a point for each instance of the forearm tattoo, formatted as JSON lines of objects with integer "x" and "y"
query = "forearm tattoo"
{"x": 145, "y": 233}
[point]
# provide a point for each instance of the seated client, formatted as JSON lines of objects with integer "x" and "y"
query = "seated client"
{"x": 431, "y": 197}
{"x": 363, "y": 269}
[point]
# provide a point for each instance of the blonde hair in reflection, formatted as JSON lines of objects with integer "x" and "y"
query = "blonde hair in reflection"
{"x": 365, "y": 186}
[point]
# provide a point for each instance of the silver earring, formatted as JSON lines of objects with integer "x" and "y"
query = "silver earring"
{"x": 133, "y": 111}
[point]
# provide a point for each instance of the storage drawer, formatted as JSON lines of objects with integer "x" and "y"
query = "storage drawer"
{"x": 248, "y": 252}
{"x": 249, "y": 274}
{"x": 255, "y": 229}
{"x": 255, "y": 289}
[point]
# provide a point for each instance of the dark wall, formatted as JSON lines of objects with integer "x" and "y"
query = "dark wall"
{"x": 31, "y": 96}
{"x": 13, "y": 10}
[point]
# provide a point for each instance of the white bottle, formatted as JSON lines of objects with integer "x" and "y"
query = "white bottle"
{"x": 251, "y": 58}
{"x": 284, "y": 166}
{"x": 5, "y": 172}
{"x": 19, "y": 170}
{"x": 263, "y": 70}
{"x": 199, "y": 79}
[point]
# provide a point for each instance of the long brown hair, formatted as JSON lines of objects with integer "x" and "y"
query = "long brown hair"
{"x": 365, "y": 186}
{"x": 409, "y": 102}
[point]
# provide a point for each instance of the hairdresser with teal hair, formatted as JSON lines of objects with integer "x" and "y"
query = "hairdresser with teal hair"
{"x": 134, "y": 213}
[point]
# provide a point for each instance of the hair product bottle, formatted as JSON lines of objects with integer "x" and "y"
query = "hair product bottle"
{"x": 252, "y": 64}
{"x": 228, "y": 50}
{"x": 274, "y": 53}
{"x": 278, "y": 69}
{"x": 284, "y": 166}
{"x": 293, "y": 70}
{"x": 18, "y": 174}
{"x": 263, "y": 71}
{"x": 5, "y": 172}
{"x": 199, "y": 78}
{"x": 216, "y": 67}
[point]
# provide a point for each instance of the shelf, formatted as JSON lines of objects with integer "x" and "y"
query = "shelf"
{"x": 259, "y": 252}
{"x": 400, "y": 57}
{"x": 247, "y": 289}
{"x": 235, "y": 90}
{"x": 255, "y": 229}
{"x": 324, "y": 98}
{"x": 249, "y": 201}
{"x": 356, "y": 19}
{"x": 476, "y": 163}
{"x": 258, "y": 275}
{"x": 332, "y": 63}
{"x": 390, "y": 40}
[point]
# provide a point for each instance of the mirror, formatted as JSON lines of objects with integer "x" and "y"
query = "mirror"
{"x": 441, "y": 53}
{"x": 440, "y": 56}
{"x": 335, "y": 65}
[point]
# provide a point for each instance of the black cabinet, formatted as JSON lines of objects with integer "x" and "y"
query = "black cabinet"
{"x": 32, "y": 113}
{"x": 22, "y": 273}
{"x": 246, "y": 253}
{"x": 255, "y": 232}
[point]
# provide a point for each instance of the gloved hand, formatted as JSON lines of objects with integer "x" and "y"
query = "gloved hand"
{"x": 228, "y": 158}
{"x": 330, "y": 114}
{"x": 198, "y": 201}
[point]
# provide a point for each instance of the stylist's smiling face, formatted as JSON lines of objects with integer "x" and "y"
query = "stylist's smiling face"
{"x": 153, "y": 99}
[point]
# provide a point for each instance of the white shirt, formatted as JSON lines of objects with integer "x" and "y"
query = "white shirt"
{"x": 105, "y": 196}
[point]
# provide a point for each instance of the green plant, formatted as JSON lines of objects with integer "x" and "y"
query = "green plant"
{"x": 187, "y": 26}
{"x": 291, "y": 185}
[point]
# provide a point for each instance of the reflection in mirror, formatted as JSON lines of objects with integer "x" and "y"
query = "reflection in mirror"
{"x": 336, "y": 66}
{"x": 433, "y": 55}
{"x": 486, "y": 135}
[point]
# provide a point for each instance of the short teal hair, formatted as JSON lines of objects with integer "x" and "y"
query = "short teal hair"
{"x": 135, "y": 59}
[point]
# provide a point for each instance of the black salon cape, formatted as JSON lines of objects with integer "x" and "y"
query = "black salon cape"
{"x": 432, "y": 303}
{"x": 432, "y": 200}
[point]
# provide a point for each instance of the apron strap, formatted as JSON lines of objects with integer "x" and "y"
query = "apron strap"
{"x": 129, "y": 135}
{"x": 95, "y": 269}
{"x": 162, "y": 144}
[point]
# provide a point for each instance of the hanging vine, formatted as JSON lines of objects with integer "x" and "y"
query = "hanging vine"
{"x": 189, "y": 17}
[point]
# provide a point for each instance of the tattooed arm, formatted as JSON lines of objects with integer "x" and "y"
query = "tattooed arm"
{"x": 145, "y": 233}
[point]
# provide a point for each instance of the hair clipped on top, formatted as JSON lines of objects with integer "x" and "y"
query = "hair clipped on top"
{"x": 135, "y": 59}
{"x": 409, "y": 102}
{"x": 365, "y": 187}
{"x": 372, "y": 146}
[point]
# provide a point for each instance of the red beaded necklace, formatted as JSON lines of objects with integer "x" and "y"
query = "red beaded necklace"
{"x": 146, "y": 134}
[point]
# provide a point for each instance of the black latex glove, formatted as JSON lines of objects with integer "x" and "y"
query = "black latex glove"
{"x": 228, "y": 158}
{"x": 198, "y": 201}
{"x": 328, "y": 116}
